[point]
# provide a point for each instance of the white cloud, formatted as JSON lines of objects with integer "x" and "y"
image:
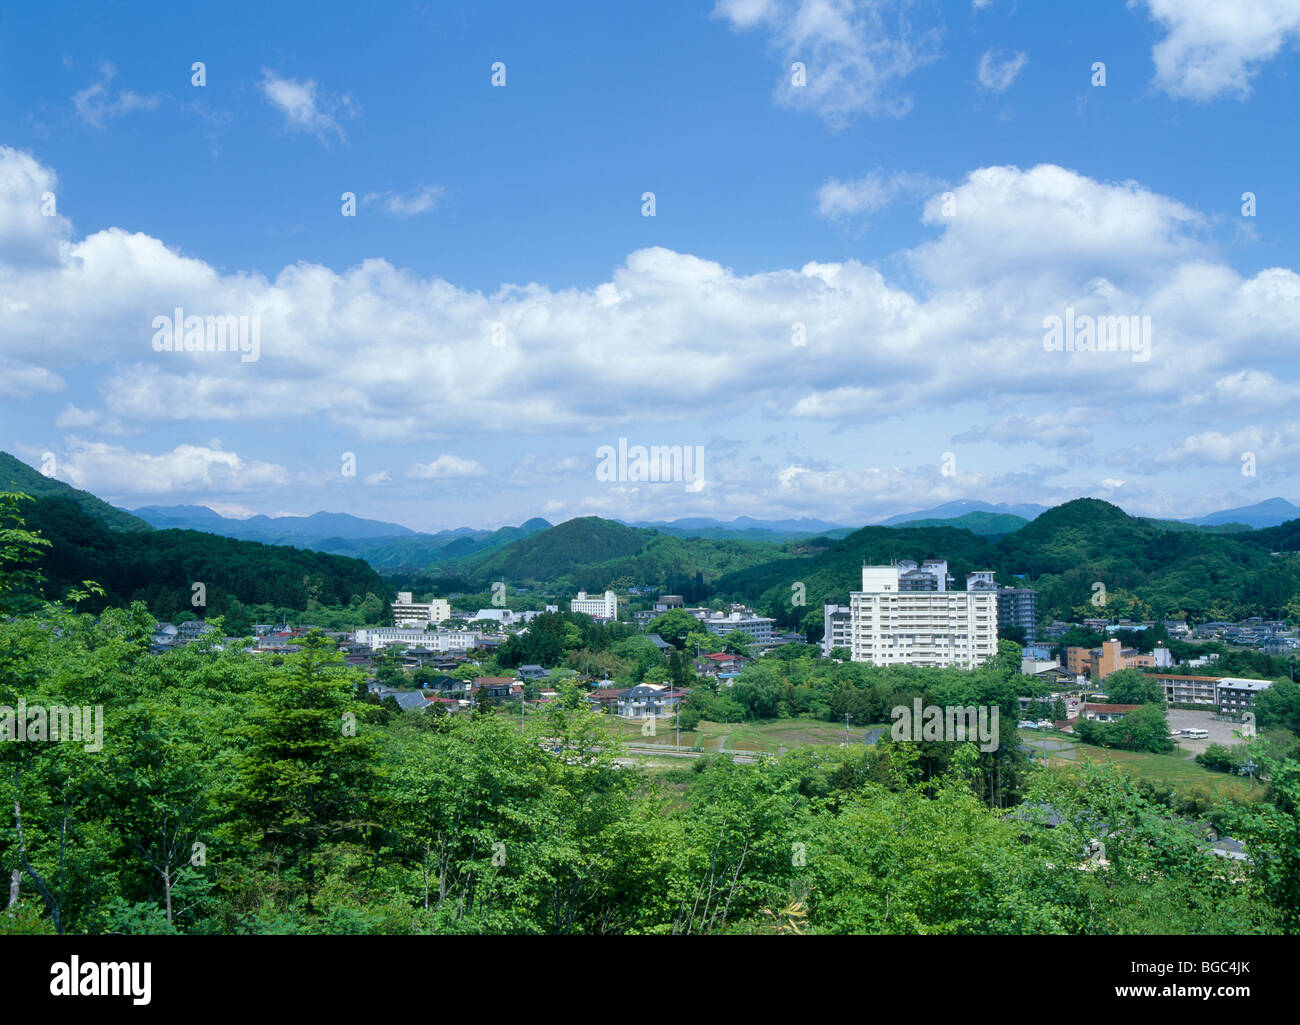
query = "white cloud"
{"x": 421, "y": 200}
{"x": 306, "y": 108}
{"x": 1056, "y": 429}
{"x": 856, "y": 52}
{"x": 74, "y": 418}
{"x": 997, "y": 70}
{"x": 386, "y": 355}
{"x": 97, "y": 104}
{"x": 446, "y": 466}
{"x": 110, "y": 469}
{"x": 838, "y": 199}
{"x": 1212, "y": 48}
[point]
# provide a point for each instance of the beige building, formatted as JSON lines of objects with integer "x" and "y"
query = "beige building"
{"x": 407, "y": 612}
{"x": 1111, "y": 657}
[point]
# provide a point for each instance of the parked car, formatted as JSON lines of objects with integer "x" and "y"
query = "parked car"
{"x": 1044, "y": 723}
{"x": 1026, "y": 724}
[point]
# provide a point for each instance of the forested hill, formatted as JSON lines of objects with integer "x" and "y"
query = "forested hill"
{"x": 594, "y": 553}
{"x": 15, "y": 475}
{"x": 160, "y": 567}
{"x": 1148, "y": 572}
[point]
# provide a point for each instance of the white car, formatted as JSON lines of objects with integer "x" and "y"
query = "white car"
{"x": 1026, "y": 724}
{"x": 1044, "y": 724}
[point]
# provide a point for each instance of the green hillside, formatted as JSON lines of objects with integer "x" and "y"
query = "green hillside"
{"x": 161, "y": 567}
{"x": 593, "y": 553}
{"x": 984, "y": 524}
{"x": 830, "y": 574}
{"x": 15, "y": 475}
{"x": 1148, "y": 571}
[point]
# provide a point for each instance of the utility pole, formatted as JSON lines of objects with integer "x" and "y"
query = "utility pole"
{"x": 847, "y": 717}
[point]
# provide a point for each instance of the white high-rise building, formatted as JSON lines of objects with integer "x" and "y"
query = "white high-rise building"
{"x": 596, "y": 608}
{"x": 407, "y": 612}
{"x": 891, "y": 625}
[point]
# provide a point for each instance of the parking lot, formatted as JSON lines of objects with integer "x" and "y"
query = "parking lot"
{"x": 1220, "y": 732}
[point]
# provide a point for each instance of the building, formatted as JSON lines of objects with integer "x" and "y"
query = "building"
{"x": 407, "y": 612}
{"x": 837, "y": 627}
{"x": 1111, "y": 657}
{"x": 1105, "y": 713}
{"x": 937, "y": 628}
{"x": 496, "y": 688}
{"x": 757, "y": 628}
{"x": 435, "y": 640}
{"x": 1237, "y": 695}
{"x": 648, "y": 701}
{"x": 931, "y": 575}
{"x": 1017, "y": 606}
{"x": 502, "y": 617}
{"x": 1189, "y": 690}
{"x": 596, "y": 608}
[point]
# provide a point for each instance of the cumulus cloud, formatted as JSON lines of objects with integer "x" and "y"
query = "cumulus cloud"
{"x": 105, "y": 469}
{"x": 856, "y": 52}
{"x": 389, "y": 356}
{"x": 1215, "y": 447}
{"x": 1211, "y": 48}
{"x": 997, "y": 70}
{"x": 306, "y": 107}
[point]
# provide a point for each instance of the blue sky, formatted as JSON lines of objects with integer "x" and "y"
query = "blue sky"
{"x": 948, "y": 177}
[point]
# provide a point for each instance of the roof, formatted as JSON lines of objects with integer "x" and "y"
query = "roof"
{"x": 1094, "y": 707}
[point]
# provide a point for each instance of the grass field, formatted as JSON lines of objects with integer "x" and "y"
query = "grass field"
{"x": 771, "y": 736}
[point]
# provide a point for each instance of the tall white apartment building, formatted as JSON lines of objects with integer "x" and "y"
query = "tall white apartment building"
{"x": 407, "y": 612}
{"x": 596, "y": 608}
{"x": 938, "y": 628}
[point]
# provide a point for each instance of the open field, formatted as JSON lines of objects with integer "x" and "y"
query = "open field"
{"x": 772, "y": 736}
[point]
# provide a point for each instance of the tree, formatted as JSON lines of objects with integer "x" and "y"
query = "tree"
{"x": 1131, "y": 687}
{"x": 674, "y": 626}
{"x": 738, "y": 643}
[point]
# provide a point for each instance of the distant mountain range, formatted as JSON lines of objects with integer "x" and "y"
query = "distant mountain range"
{"x": 391, "y": 546}
{"x": 272, "y": 529}
{"x": 964, "y": 506}
{"x": 1223, "y": 569}
{"x": 1271, "y": 512}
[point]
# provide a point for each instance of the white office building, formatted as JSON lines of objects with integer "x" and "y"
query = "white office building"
{"x": 891, "y": 625}
{"x": 596, "y": 608}
{"x": 407, "y": 612}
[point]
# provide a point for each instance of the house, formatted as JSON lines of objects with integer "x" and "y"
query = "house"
{"x": 649, "y": 701}
{"x": 1105, "y": 713}
{"x": 494, "y": 688}
{"x": 532, "y": 672}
